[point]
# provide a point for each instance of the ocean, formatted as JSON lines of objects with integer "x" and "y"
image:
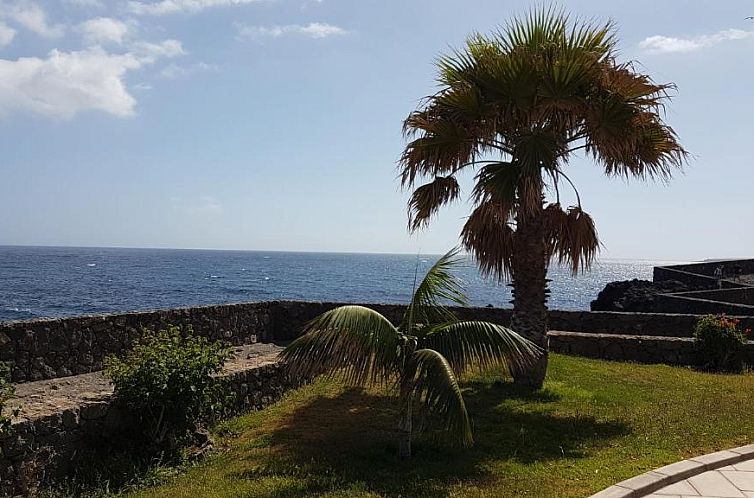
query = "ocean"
{"x": 66, "y": 281}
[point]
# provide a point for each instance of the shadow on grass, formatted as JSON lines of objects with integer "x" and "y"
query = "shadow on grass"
{"x": 348, "y": 442}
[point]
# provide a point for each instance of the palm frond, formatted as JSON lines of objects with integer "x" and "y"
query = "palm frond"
{"x": 498, "y": 180}
{"x": 438, "y": 285}
{"x": 477, "y": 345}
{"x": 436, "y": 387}
{"x": 570, "y": 236}
{"x": 488, "y": 236}
{"x": 441, "y": 146}
{"x": 623, "y": 127}
{"x": 354, "y": 340}
{"x": 427, "y": 200}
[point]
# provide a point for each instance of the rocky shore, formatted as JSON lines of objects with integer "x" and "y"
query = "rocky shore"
{"x": 636, "y": 295}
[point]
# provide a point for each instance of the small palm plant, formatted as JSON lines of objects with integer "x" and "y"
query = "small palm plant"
{"x": 421, "y": 359}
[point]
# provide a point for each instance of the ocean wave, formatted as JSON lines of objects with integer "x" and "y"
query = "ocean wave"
{"x": 20, "y": 311}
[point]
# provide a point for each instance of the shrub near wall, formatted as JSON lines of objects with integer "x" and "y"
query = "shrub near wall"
{"x": 720, "y": 343}
{"x": 169, "y": 382}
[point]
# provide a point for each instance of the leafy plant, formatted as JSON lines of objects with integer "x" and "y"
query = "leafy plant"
{"x": 719, "y": 343}
{"x": 169, "y": 381}
{"x": 515, "y": 107}
{"x": 7, "y": 392}
{"x": 420, "y": 359}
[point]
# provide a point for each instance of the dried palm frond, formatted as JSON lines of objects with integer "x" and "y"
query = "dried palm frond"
{"x": 571, "y": 237}
{"x": 488, "y": 236}
{"x": 427, "y": 200}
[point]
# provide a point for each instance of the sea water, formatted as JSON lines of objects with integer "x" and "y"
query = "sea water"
{"x": 64, "y": 281}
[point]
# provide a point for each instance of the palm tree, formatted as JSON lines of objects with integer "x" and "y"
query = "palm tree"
{"x": 515, "y": 107}
{"x": 421, "y": 358}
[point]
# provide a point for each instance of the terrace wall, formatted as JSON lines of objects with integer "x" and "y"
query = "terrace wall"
{"x": 44, "y": 449}
{"x": 51, "y": 348}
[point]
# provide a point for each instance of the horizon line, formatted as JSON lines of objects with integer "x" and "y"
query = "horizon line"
{"x": 386, "y": 253}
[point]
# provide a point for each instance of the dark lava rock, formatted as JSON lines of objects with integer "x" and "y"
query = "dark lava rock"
{"x": 634, "y": 295}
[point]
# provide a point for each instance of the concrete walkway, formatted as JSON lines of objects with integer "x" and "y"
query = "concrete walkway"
{"x": 732, "y": 481}
{"x": 723, "y": 474}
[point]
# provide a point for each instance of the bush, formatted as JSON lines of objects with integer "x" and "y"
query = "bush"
{"x": 170, "y": 383}
{"x": 720, "y": 344}
{"x": 6, "y": 392}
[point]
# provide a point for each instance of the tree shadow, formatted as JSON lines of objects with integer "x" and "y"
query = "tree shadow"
{"x": 349, "y": 440}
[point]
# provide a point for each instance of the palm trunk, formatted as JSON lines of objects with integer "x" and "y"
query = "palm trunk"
{"x": 405, "y": 421}
{"x": 405, "y": 424}
{"x": 529, "y": 272}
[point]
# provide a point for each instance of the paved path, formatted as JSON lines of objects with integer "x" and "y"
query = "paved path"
{"x": 733, "y": 481}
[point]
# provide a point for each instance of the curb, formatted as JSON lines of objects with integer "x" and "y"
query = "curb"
{"x": 651, "y": 481}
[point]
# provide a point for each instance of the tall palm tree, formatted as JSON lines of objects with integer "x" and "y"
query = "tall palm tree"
{"x": 515, "y": 107}
{"x": 421, "y": 358}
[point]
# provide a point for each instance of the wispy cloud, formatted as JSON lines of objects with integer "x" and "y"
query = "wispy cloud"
{"x": 6, "y": 34}
{"x": 172, "y": 71}
{"x": 85, "y": 3}
{"x": 32, "y": 17}
{"x": 163, "y": 7}
{"x": 660, "y": 44}
{"x": 149, "y": 52}
{"x": 311, "y": 30}
{"x": 105, "y": 30}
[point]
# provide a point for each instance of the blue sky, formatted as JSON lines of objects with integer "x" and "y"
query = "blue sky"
{"x": 275, "y": 124}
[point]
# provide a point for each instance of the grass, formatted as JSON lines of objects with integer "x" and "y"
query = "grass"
{"x": 594, "y": 424}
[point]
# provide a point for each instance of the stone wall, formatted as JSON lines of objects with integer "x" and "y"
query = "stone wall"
{"x": 708, "y": 267}
{"x": 44, "y": 349}
{"x": 740, "y": 295}
{"x": 51, "y": 348}
{"x": 289, "y": 318}
{"x": 634, "y": 348}
{"x": 691, "y": 302}
{"x": 41, "y": 450}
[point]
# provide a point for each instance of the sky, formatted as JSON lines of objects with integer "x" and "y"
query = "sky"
{"x": 276, "y": 124}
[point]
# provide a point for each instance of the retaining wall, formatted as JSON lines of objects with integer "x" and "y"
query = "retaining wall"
{"x": 51, "y": 348}
{"x": 691, "y": 302}
{"x": 42, "y": 450}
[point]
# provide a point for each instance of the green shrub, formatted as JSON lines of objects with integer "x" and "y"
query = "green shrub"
{"x": 719, "y": 343}
{"x": 6, "y": 392}
{"x": 170, "y": 383}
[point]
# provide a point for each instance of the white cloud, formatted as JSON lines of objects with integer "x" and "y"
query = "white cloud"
{"x": 32, "y": 17}
{"x": 104, "y": 30}
{"x": 172, "y": 71}
{"x": 150, "y": 52}
{"x": 85, "y": 3}
{"x": 6, "y": 34}
{"x": 66, "y": 83}
{"x": 668, "y": 44}
{"x": 162, "y": 7}
{"x": 311, "y": 30}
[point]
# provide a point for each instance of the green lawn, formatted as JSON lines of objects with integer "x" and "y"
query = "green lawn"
{"x": 595, "y": 423}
